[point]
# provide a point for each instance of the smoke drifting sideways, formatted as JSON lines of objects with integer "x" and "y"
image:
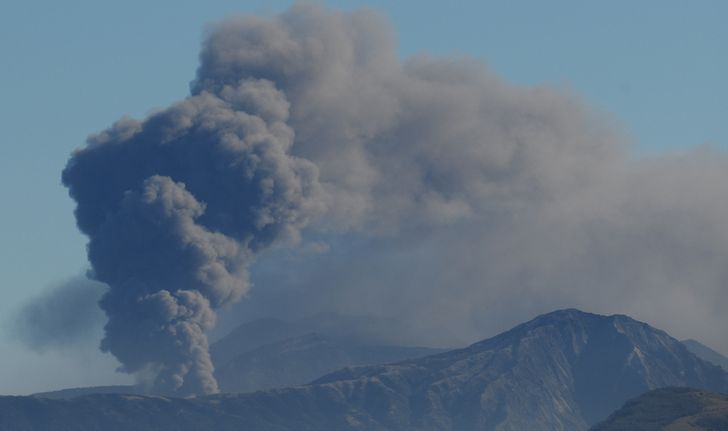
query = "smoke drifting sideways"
{"x": 66, "y": 315}
{"x": 478, "y": 194}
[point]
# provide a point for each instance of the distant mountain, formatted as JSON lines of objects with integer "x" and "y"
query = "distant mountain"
{"x": 251, "y": 335}
{"x": 64, "y": 394}
{"x": 300, "y": 360}
{"x": 671, "y": 409}
{"x": 271, "y": 353}
{"x": 565, "y": 370}
{"x": 706, "y": 353}
{"x": 360, "y": 329}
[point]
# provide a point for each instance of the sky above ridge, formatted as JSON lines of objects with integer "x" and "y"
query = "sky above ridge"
{"x": 71, "y": 69}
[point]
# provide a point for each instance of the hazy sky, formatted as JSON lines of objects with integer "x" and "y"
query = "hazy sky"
{"x": 657, "y": 67}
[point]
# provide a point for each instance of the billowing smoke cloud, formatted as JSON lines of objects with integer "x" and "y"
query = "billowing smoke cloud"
{"x": 175, "y": 208}
{"x": 409, "y": 145}
{"x": 65, "y": 315}
{"x": 470, "y": 203}
{"x": 460, "y": 196}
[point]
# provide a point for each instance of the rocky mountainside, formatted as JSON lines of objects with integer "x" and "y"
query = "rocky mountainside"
{"x": 671, "y": 409}
{"x": 565, "y": 370}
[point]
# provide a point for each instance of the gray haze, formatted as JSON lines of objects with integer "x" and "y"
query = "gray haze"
{"x": 431, "y": 190}
{"x": 65, "y": 315}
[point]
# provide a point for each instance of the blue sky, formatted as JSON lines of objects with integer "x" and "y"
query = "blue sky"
{"x": 71, "y": 68}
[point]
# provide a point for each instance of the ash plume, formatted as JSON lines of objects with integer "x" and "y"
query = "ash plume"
{"x": 456, "y": 196}
{"x": 175, "y": 208}
{"x": 64, "y": 315}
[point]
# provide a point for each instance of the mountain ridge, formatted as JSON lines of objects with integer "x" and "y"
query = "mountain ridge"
{"x": 674, "y": 409}
{"x": 706, "y": 353}
{"x": 302, "y": 359}
{"x": 564, "y": 370}
{"x": 583, "y": 406}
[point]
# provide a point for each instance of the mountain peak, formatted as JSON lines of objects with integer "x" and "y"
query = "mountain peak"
{"x": 566, "y": 312}
{"x": 572, "y": 322}
{"x": 576, "y": 314}
{"x": 573, "y": 318}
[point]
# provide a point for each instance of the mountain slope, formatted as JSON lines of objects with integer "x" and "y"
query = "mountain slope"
{"x": 300, "y": 360}
{"x": 561, "y": 371}
{"x": 361, "y": 329}
{"x": 706, "y": 353}
{"x": 672, "y": 409}
{"x": 64, "y": 394}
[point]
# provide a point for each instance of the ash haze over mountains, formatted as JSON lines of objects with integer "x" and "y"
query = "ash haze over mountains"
{"x": 347, "y": 180}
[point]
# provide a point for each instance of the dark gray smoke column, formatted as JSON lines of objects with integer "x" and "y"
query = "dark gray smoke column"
{"x": 175, "y": 207}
